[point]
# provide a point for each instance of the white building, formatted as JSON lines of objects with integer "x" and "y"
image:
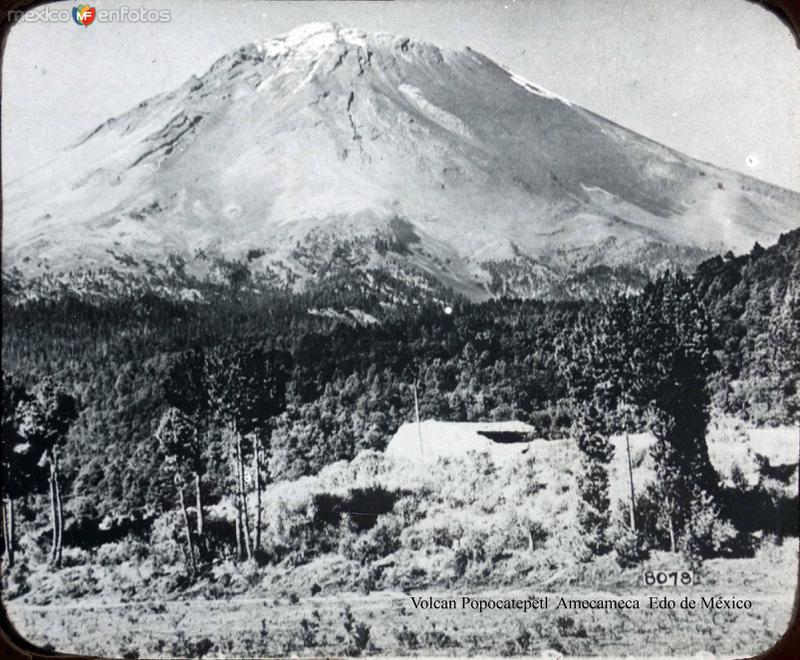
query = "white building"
{"x": 431, "y": 439}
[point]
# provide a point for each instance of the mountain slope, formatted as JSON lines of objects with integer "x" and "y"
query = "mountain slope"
{"x": 468, "y": 173}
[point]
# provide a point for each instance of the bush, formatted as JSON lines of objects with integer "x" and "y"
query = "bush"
{"x": 508, "y": 534}
{"x": 167, "y": 542}
{"x": 358, "y": 635}
{"x": 407, "y": 638}
{"x": 565, "y": 625}
{"x": 630, "y": 547}
{"x": 15, "y": 579}
{"x": 410, "y": 509}
{"x": 519, "y": 645}
{"x": 474, "y": 542}
{"x": 537, "y": 534}
{"x": 307, "y": 635}
{"x": 380, "y": 541}
{"x": 438, "y": 639}
{"x": 461, "y": 559}
{"x": 367, "y": 579}
{"x": 648, "y": 520}
{"x": 705, "y": 533}
{"x": 129, "y": 548}
{"x": 184, "y": 647}
{"x": 290, "y": 534}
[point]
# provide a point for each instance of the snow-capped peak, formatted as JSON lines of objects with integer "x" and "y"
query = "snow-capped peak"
{"x": 336, "y": 130}
{"x": 312, "y": 38}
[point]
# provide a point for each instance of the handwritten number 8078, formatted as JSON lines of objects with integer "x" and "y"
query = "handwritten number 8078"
{"x": 668, "y": 578}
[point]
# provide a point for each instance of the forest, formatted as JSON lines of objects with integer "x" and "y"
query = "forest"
{"x": 126, "y": 406}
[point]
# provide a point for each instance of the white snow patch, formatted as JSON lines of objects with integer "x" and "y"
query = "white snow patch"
{"x": 536, "y": 89}
{"x": 328, "y": 312}
{"x": 362, "y": 317}
{"x": 596, "y": 189}
{"x": 191, "y": 295}
{"x": 449, "y": 121}
{"x": 312, "y": 38}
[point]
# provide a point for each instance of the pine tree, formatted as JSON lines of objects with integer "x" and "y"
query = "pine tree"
{"x": 186, "y": 389}
{"x": 18, "y": 460}
{"x": 593, "y": 359}
{"x": 247, "y": 388}
{"x": 181, "y": 444}
{"x": 673, "y": 361}
{"x": 44, "y": 420}
{"x": 594, "y": 512}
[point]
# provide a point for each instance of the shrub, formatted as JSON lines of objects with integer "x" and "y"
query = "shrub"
{"x": 367, "y": 579}
{"x": 508, "y": 534}
{"x": 410, "y": 509}
{"x": 630, "y": 547}
{"x": 358, "y": 634}
{"x": 537, "y": 534}
{"x": 307, "y": 635}
{"x": 15, "y": 579}
{"x": 290, "y": 534}
{"x": 519, "y": 645}
{"x": 473, "y": 543}
{"x": 438, "y": 639}
{"x": 186, "y": 648}
{"x": 461, "y": 559}
{"x": 167, "y": 542}
{"x": 565, "y": 625}
{"x": 382, "y": 540}
{"x": 705, "y": 533}
{"x": 407, "y": 638}
{"x": 648, "y": 519}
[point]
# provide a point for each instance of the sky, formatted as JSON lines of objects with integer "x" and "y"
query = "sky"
{"x": 718, "y": 80}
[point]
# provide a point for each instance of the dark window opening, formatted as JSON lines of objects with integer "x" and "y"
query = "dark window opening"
{"x": 506, "y": 437}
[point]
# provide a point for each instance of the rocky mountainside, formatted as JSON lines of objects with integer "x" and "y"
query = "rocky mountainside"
{"x": 429, "y": 164}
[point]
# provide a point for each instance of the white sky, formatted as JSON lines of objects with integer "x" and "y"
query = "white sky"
{"x": 716, "y": 79}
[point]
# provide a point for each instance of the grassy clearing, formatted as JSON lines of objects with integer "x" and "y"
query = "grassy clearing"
{"x": 298, "y": 623}
{"x": 461, "y": 527}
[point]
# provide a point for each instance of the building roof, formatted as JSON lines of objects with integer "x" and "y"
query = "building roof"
{"x": 500, "y": 440}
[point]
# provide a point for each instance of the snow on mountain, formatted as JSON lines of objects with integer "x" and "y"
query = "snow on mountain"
{"x": 467, "y": 171}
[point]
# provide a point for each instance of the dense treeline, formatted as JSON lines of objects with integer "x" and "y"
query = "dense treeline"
{"x": 637, "y": 363}
{"x": 754, "y": 301}
{"x": 344, "y": 385}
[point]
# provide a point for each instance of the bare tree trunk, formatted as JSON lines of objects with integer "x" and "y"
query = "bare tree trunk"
{"x": 53, "y": 510}
{"x": 238, "y": 524}
{"x": 416, "y": 415}
{"x": 671, "y": 534}
{"x": 257, "y": 479}
{"x": 237, "y": 497}
{"x": 8, "y": 529}
{"x": 244, "y": 513}
{"x": 188, "y": 528}
{"x": 199, "y": 504}
{"x": 12, "y": 531}
{"x": 630, "y": 478}
{"x": 59, "y": 511}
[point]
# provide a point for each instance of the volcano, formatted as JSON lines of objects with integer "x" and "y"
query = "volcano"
{"x": 439, "y": 163}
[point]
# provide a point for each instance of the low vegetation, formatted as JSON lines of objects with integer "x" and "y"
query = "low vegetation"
{"x": 234, "y": 450}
